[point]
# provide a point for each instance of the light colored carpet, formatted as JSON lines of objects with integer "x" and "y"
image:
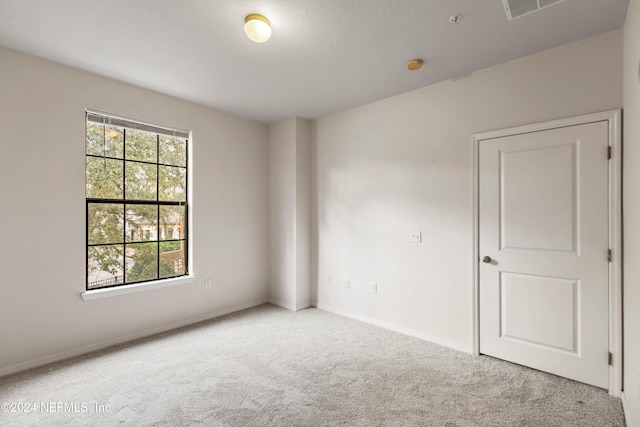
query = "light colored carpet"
{"x": 267, "y": 366}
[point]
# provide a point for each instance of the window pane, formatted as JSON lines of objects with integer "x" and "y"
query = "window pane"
{"x": 172, "y": 262}
{"x": 172, "y": 183}
{"x": 104, "y": 141}
{"x": 142, "y": 223}
{"x": 172, "y": 222}
{"x": 140, "y": 173}
{"x": 104, "y": 266}
{"x": 142, "y": 146}
{"x": 104, "y": 223}
{"x": 141, "y": 181}
{"x": 104, "y": 178}
{"x": 173, "y": 151}
{"x": 142, "y": 262}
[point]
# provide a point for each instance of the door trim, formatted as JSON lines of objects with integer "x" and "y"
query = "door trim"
{"x": 613, "y": 117}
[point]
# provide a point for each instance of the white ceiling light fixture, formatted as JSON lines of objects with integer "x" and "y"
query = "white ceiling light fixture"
{"x": 414, "y": 64}
{"x": 257, "y": 28}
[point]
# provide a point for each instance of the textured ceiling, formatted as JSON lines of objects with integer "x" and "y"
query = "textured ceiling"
{"x": 324, "y": 56}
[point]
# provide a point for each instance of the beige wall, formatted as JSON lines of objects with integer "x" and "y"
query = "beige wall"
{"x": 282, "y": 213}
{"x": 42, "y": 256}
{"x": 631, "y": 203}
{"x": 403, "y": 164}
{"x": 289, "y": 212}
{"x": 303, "y": 213}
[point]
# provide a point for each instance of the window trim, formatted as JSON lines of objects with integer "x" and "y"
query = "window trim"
{"x": 136, "y": 287}
{"x": 161, "y": 282}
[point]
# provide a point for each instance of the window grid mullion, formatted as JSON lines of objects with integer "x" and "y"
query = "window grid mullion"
{"x": 137, "y": 161}
{"x": 124, "y": 206}
{"x": 185, "y": 231}
{"x": 158, "y": 208}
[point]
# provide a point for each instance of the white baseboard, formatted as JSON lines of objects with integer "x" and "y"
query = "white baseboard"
{"x": 303, "y": 306}
{"x": 288, "y": 306}
{"x": 397, "y": 328}
{"x": 40, "y": 361}
{"x": 627, "y": 415}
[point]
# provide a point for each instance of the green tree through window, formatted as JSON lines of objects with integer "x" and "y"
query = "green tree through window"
{"x": 136, "y": 201}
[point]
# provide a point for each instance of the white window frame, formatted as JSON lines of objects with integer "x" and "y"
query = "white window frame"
{"x": 190, "y": 277}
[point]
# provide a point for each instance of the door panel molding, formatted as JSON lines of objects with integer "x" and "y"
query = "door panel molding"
{"x": 518, "y": 161}
{"x": 567, "y": 303}
{"x": 613, "y": 119}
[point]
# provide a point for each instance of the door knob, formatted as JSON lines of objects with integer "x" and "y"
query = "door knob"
{"x": 486, "y": 259}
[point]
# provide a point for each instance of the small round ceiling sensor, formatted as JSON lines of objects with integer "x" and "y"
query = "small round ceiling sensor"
{"x": 414, "y": 64}
{"x": 454, "y": 19}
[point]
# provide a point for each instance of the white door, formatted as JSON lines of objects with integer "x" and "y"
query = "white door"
{"x": 543, "y": 246}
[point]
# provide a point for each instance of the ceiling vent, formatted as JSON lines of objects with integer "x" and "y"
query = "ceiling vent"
{"x": 517, "y": 8}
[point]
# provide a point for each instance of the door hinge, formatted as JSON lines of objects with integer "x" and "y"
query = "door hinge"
{"x": 610, "y": 359}
{"x": 609, "y": 150}
{"x": 609, "y": 255}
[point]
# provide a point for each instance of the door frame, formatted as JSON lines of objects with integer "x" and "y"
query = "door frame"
{"x": 613, "y": 118}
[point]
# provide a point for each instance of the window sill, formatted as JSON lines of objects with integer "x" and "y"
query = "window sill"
{"x": 140, "y": 287}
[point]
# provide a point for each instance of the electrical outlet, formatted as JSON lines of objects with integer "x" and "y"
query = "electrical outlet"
{"x": 416, "y": 237}
{"x": 347, "y": 283}
{"x": 373, "y": 287}
{"x": 207, "y": 284}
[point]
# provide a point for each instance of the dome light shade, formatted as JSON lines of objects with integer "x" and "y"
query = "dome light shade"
{"x": 414, "y": 64}
{"x": 257, "y": 28}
